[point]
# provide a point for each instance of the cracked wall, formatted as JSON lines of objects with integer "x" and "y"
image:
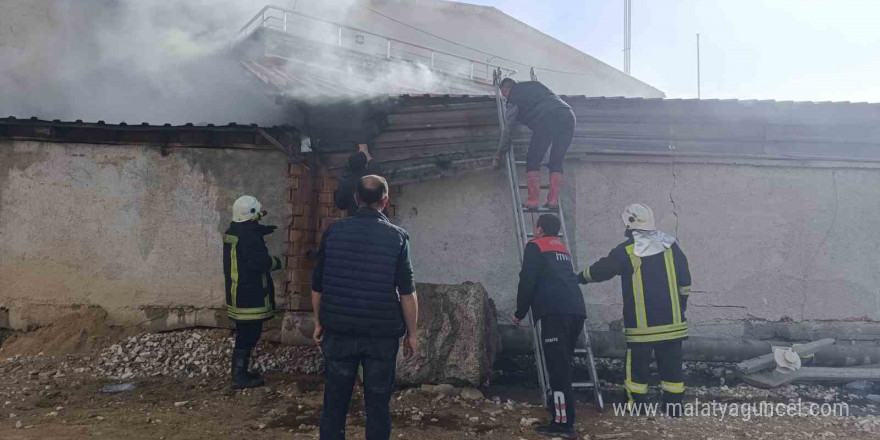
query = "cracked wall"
{"x": 123, "y": 227}
{"x": 776, "y": 251}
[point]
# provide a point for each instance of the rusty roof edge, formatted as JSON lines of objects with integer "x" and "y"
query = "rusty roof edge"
{"x": 143, "y": 126}
{"x": 230, "y": 136}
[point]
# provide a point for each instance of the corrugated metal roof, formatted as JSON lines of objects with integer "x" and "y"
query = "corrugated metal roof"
{"x": 429, "y": 135}
{"x": 232, "y": 135}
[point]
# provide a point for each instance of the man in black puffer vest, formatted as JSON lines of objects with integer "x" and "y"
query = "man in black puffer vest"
{"x": 364, "y": 299}
{"x": 549, "y": 287}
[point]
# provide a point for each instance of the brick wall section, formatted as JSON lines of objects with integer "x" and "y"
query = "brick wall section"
{"x": 311, "y": 198}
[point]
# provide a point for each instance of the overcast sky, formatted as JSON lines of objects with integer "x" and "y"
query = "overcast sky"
{"x": 803, "y": 50}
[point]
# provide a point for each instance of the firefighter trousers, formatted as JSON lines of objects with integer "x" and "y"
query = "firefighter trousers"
{"x": 638, "y": 358}
{"x": 559, "y": 336}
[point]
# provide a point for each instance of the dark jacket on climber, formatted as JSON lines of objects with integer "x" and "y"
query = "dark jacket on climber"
{"x": 552, "y": 123}
{"x": 360, "y": 164}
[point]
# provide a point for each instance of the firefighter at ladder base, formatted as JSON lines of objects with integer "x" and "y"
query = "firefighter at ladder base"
{"x": 549, "y": 287}
{"x": 656, "y": 283}
{"x": 552, "y": 123}
{"x": 250, "y": 293}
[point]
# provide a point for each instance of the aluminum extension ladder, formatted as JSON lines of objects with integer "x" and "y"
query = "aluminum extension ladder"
{"x": 524, "y": 234}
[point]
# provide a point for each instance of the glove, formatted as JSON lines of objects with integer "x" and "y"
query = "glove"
{"x": 582, "y": 280}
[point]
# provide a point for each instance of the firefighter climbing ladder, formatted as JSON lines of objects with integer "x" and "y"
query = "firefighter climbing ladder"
{"x": 524, "y": 234}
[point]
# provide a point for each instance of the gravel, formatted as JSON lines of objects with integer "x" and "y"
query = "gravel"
{"x": 206, "y": 353}
{"x": 197, "y": 353}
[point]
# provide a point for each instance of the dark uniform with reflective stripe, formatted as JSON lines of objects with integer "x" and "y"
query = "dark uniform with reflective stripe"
{"x": 548, "y": 285}
{"x": 655, "y": 293}
{"x": 250, "y": 292}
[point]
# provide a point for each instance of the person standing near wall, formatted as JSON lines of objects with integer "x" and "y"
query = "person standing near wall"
{"x": 549, "y": 287}
{"x": 360, "y": 164}
{"x": 364, "y": 301}
{"x": 250, "y": 292}
{"x": 552, "y": 123}
{"x": 656, "y": 282}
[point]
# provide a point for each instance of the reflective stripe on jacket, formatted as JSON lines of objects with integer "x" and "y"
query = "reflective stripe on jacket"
{"x": 250, "y": 292}
{"x": 655, "y": 291}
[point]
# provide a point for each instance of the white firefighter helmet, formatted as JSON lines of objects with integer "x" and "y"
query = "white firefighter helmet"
{"x": 247, "y": 208}
{"x": 638, "y": 216}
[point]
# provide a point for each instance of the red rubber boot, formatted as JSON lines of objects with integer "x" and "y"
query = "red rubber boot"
{"x": 555, "y": 189}
{"x": 533, "y": 180}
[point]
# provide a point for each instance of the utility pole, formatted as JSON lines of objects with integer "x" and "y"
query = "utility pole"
{"x": 627, "y": 34}
{"x": 698, "y": 66}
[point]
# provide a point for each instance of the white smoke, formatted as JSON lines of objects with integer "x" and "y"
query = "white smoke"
{"x": 163, "y": 61}
{"x": 127, "y": 60}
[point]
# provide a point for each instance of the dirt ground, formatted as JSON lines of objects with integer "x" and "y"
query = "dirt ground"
{"x": 56, "y": 397}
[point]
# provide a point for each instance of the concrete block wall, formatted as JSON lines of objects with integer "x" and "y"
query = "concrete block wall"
{"x": 126, "y": 228}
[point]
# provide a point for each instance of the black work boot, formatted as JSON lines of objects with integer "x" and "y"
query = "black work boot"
{"x": 557, "y": 430}
{"x": 240, "y": 377}
{"x": 672, "y": 406}
{"x": 251, "y": 374}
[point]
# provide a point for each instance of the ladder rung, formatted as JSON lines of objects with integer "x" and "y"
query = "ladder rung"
{"x": 527, "y": 187}
{"x": 522, "y": 163}
{"x": 582, "y": 384}
{"x": 540, "y": 210}
{"x": 580, "y": 351}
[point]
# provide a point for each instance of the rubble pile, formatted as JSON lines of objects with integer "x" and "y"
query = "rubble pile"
{"x": 194, "y": 353}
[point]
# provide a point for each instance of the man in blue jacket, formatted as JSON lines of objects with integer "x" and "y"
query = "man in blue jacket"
{"x": 364, "y": 300}
{"x": 250, "y": 293}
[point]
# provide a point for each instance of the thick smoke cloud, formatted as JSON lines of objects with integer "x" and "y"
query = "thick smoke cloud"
{"x": 170, "y": 61}
{"x": 128, "y": 60}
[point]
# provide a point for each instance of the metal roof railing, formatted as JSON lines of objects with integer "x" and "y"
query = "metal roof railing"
{"x": 367, "y": 43}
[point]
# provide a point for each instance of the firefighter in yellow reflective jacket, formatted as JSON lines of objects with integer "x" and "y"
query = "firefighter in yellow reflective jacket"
{"x": 250, "y": 293}
{"x": 656, "y": 283}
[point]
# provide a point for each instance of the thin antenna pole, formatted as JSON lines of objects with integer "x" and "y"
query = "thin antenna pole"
{"x": 627, "y": 35}
{"x": 698, "y": 66}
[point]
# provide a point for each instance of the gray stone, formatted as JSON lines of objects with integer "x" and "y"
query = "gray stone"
{"x": 444, "y": 389}
{"x": 457, "y": 337}
{"x": 471, "y": 394}
{"x": 860, "y": 385}
{"x": 529, "y": 421}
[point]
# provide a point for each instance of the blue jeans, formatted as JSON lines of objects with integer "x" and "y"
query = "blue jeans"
{"x": 342, "y": 356}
